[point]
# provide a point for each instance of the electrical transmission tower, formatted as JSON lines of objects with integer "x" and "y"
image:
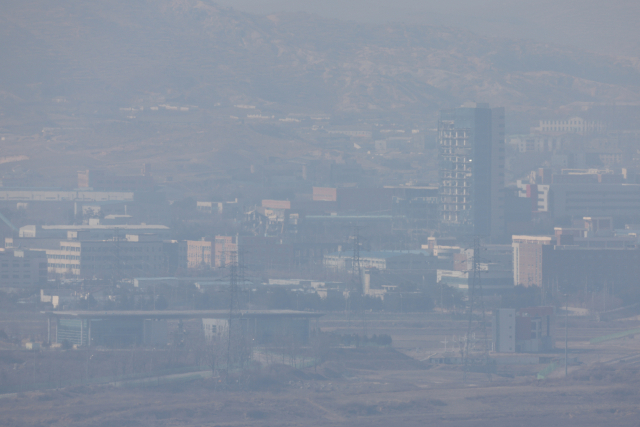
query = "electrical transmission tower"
{"x": 236, "y": 335}
{"x": 233, "y": 305}
{"x": 115, "y": 277}
{"x": 356, "y": 270}
{"x": 476, "y": 298}
{"x": 357, "y": 283}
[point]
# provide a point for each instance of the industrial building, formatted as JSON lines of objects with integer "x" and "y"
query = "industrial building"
{"x": 528, "y": 330}
{"x": 381, "y": 260}
{"x": 93, "y": 231}
{"x": 103, "y": 180}
{"x": 620, "y": 201}
{"x": 493, "y": 279}
{"x": 136, "y": 328}
{"x": 575, "y": 193}
{"x": 585, "y": 257}
{"x": 504, "y": 330}
{"x": 131, "y": 256}
{"x": 195, "y": 254}
{"x": 471, "y": 169}
{"x": 206, "y": 254}
{"x": 527, "y": 259}
{"x": 455, "y": 266}
{"x": 576, "y": 125}
{"x": 575, "y": 268}
{"x": 262, "y": 329}
{"x": 536, "y": 142}
{"x": 57, "y": 195}
{"x": 22, "y": 268}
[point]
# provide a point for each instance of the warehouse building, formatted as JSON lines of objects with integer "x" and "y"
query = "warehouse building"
{"x": 139, "y": 328}
{"x": 134, "y": 255}
{"x": 22, "y": 268}
{"x": 528, "y": 330}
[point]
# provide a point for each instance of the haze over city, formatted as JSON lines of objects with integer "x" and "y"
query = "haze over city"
{"x": 337, "y": 213}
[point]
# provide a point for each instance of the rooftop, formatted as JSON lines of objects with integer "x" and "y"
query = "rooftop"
{"x": 380, "y": 254}
{"x": 105, "y": 227}
{"x": 178, "y": 314}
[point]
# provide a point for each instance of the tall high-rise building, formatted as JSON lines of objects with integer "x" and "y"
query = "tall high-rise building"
{"x": 471, "y": 170}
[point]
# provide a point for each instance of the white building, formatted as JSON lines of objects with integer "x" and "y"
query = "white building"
{"x": 504, "y": 330}
{"x": 536, "y": 143}
{"x": 382, "y": 260}
{"x": 576, "y": 125}
{"x": 539, "y": 192}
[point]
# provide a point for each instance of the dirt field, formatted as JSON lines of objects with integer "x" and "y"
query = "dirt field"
{"x": 342, "y": 396}
{"x": 371, "y": 386}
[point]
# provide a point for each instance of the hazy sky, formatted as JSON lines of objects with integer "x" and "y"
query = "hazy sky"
{"x": 598, "y": 25}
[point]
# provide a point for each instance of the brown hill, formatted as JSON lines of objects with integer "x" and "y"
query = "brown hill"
{"x": 122, "y": 52}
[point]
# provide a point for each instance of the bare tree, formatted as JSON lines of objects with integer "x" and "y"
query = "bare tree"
{"x": 320, "y": 346}
{"x": 213, "y": 352}
{"x": 244, "y": 351}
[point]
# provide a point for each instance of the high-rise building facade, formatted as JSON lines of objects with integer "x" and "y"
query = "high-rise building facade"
{"x": 471, "y": 169}
{"x": 527, "y": 259}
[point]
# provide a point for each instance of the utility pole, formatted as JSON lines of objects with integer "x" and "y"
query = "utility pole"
{"x": 566, "y": 333}
{"x": 233, "y": 290}
{"x": 356, "y": 271}
{"x": 356, "y": 276}
{"x": 116, "y": 257}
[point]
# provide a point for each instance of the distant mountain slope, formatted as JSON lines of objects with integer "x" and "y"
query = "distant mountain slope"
{"x": 122, "y": 52}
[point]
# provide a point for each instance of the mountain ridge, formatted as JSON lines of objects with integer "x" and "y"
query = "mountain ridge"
{"x": 203, "y": 54}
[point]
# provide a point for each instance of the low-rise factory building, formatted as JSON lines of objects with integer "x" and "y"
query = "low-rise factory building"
{"x": 137, "y": 328}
